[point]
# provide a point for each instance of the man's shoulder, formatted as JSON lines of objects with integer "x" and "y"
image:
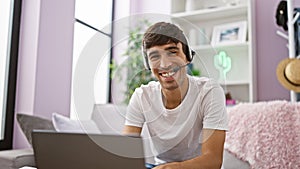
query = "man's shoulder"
{"x": 147, "y": 92}
{"x": 151, "y": 86}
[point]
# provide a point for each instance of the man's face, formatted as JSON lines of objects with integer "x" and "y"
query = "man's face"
{"x": 163, "y": 59}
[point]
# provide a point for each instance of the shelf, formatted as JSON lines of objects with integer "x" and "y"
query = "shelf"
{"x": 210, "y": 14}
{"x": 209, "y": 47}
{"x": 232, "y": 83}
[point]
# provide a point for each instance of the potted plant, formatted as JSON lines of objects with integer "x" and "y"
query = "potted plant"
{"x": 136, "y": 74}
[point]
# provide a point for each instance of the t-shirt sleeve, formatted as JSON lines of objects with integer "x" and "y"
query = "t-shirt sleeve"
{"x": 214, "y": 107}
{"x": 134, "y": 113}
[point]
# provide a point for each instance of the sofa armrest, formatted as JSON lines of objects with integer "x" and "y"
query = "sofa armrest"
{"x": 109, "y": 118}
{"x": 232, "y": 162}
{"x": 17, "y": 158}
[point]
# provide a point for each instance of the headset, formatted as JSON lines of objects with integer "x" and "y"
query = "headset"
{"x": 189, "y": 53}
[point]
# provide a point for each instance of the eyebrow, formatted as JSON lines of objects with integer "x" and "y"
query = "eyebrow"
{"x": 167, "y": 48}
{"x": 171, "y": 47}
{"x": 153, "y": 53}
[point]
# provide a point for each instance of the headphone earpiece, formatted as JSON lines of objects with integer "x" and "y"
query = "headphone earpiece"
{"x": 146, "y": 61}
{"x": 190, "y": 53}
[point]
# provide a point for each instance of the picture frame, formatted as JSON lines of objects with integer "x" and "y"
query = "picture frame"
{"x": 230, "y": 33}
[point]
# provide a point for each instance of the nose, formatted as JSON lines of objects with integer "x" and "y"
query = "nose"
{"x": 165, "y": 62}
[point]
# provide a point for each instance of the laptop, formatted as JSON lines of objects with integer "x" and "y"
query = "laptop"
{"x": 87, "y": 151}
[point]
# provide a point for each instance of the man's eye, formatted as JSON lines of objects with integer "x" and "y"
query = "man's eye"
{"x": 154, "y": 57}
{"x": 172, "y": 52}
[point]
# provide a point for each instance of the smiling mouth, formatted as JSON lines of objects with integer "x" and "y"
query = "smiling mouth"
{"x": 167, "y": 74}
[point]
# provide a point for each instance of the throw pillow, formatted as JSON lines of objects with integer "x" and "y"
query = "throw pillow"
{"x": 65, "y": 124}
{"x": 29, "y": 123}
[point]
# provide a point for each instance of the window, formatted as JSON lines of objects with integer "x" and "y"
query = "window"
{"x": 10, "y": 12}
{"x": 93, "y": 18}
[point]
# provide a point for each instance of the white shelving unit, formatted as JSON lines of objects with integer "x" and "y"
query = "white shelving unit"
{"x": 198, "y": 25}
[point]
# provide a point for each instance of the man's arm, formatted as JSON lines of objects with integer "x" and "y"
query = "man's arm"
{"x": 211, "y": 156}
{"x": 132, "y": 130}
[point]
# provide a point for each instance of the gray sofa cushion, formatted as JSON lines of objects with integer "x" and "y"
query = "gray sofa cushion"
{"x": 29, "y": 123}
{"x": 65, "y": 124}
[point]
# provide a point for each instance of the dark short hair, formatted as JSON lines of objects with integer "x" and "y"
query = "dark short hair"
{"x": 162, "y": 33}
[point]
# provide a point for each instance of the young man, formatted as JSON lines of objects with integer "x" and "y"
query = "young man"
{"x": 185, "y": 115}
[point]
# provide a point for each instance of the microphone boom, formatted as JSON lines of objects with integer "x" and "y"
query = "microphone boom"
{"x": 175, "y": 69}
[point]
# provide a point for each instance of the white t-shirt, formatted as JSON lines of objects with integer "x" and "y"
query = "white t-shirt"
{"x": 175, "y": 133}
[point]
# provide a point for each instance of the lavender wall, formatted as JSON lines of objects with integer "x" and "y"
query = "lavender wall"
{"x": 45, "y": 60}
{"x": 271, "y": 49}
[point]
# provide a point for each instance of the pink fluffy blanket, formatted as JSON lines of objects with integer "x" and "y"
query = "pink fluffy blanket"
{"x": 266, "y": 134}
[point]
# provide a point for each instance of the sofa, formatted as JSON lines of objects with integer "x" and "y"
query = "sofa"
{"x": 252, "y": 126}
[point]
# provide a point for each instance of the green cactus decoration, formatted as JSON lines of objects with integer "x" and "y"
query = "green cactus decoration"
{"x": 223, "y": 64}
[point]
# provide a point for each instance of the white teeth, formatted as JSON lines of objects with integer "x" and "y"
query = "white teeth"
{"x": 168, "y": 74}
